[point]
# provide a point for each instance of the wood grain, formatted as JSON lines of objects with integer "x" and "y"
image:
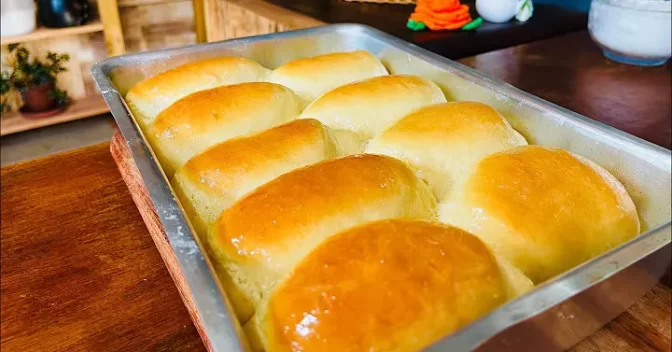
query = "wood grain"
{"x": 637, "y": 100}
{"x": 114, "y": 36}
{"x": 131, "y": 176}
{"x": 14, "y": 122}
{"x": 79, "y": 270}
{"x": 228, "y": 19}
{"x": 159, "y": 25}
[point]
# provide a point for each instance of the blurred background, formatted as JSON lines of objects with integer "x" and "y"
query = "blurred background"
{"x": 50, "y": 102}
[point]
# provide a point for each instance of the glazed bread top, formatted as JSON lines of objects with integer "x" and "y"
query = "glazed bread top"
{"x": 208, "y": 117}
{"x": 368, "y": 107}
{"x": 311, "y": 77}
{"x": 149, "y": 97}
{"x": 392, "y": 285}
{"x": 545, "y": 210}
{"x": 211, "y": 181}
{"x": 270, "y": 229}
{"x": 444, "y": 141}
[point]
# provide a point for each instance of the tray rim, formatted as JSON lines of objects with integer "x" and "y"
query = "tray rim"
{"x": 560, "y": 289}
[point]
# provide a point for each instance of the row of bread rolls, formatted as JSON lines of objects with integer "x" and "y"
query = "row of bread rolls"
{"x": 319, "y": 247}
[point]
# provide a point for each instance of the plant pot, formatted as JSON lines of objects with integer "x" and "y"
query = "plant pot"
{"x": 38, "y": 98}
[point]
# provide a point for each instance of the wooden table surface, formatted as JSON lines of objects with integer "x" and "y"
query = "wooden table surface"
{"x": 81, "y": 273}
{"x": 548, "y": 21}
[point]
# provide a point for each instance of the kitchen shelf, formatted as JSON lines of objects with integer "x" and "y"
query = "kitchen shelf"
{"x": 14, "y": 122}
{"x": 46, "y": 33}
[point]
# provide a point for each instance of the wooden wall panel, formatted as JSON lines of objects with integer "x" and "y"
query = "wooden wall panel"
{"x": 157, "y": 24}
{"x": 228, "y": 19}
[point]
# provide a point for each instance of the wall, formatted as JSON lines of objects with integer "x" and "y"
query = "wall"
{"x": 156, "y": 24}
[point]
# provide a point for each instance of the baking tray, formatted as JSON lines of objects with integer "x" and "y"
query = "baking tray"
{"x": 555, "y": 315}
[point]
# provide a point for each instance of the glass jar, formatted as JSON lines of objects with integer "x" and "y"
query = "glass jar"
{"x": 17, "y": 17}
{"x": 635, "y": 32}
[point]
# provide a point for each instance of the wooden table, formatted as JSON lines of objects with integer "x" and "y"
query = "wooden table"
{"x": 226, "y": 19}
{"x": 81, "y": 273}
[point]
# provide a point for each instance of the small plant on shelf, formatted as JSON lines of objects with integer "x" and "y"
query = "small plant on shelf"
{"x": 34, "y": 79}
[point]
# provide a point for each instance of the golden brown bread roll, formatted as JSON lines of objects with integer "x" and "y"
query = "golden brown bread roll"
{"x": 311, "y": 77}
{"x": 391, "y": 285}
{"x": 367, "y": 107}
{"x": 262, "y": 236}
{"x": 444, "y": 141}
{"x": 208, "y": 117}
{"x": 545, "y": 210}
{"x": 149, "y": 97}
{"x": 211, "y": 181}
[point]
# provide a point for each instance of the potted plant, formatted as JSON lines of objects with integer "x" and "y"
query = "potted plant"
{"x": 35, "y": 80}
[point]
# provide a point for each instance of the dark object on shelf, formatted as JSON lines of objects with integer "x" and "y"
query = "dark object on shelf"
{"x": 62, "y": 13}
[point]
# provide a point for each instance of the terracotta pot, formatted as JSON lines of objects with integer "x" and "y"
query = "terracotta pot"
{"x": 38, "y": 98}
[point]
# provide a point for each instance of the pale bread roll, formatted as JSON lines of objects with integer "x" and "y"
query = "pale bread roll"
{"x": 261, "y": 237}
{"x": 311, "y": 77}
{"x": 444, "y": 141}
{"x": 545, "y": 210}
{"x": 151, "y": 96}
{"x": 393, "y": 285}
{"x": 211, "y": 181}
{"x": 368, "y": 107}
{"x": 208, "y": 117}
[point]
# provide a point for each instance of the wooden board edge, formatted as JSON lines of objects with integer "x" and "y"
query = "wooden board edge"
{"x": 121, "y": 154}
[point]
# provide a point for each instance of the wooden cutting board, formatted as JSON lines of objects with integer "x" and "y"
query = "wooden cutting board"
{"x": 644, "y": 327}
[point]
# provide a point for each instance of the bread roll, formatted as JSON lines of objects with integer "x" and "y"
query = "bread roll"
{"x": 368, "y": 107}
{"x": 314, "y": 76}
{"x": 211, "y": 181}
{"x": 444, "y": 141}
{"x": 392, "y": 285}
{"x": 262, "y": 236}
{"x": 208, "y": 117}
{"x": 149, "y": 97}
{"x": 545, "y": 210}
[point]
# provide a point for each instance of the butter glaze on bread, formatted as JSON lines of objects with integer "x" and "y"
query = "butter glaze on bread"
{"x": 392, "y": 285}
{"x": 208, "y": 117}
{"x": 211, "y": 181}
{"x": 151, "y": 96}
{"x": 444, "y": 141}
{"x": 311, "y": 77}
{"x": 545, "y": 210}
{"x": 261, "y": 237}
{"x": 368, "y": 107}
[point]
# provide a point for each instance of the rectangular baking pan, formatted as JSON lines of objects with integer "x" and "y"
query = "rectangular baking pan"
{"x": 555, "y": 315}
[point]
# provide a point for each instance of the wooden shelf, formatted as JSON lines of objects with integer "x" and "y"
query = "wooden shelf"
{"x": 45, "y": 33}
{"x": 14, "y": 122}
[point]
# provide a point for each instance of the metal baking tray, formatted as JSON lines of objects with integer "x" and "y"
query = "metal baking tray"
{"x": 555, "y": 315}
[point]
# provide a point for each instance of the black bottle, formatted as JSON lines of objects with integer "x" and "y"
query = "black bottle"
{"x": 62, "y": 13}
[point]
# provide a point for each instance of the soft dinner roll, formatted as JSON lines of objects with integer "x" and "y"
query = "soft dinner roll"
{"x": 208, "y": 117}
{"x": 211, "y": 181}
{"x": 368, "y": 107}
{"x": 392, "y": 285}
{"x": 314, "y": 76}
{"x": 444, "y": 141}
{"x": 149, "y": 97}
{"x": 546, "y": 210}
{"x": 262, "y": 236}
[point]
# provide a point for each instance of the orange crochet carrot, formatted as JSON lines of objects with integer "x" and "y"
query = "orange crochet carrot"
{"x": 441, "y": 14}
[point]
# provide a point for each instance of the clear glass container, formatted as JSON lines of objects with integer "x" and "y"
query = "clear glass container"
{"x": 636, "y": 32}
